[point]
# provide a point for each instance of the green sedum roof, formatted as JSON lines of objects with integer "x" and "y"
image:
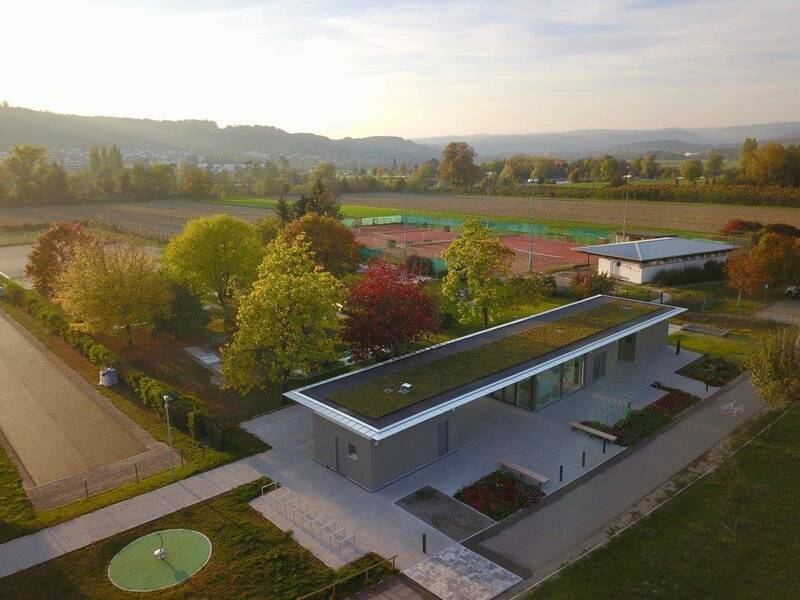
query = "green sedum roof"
{"x": 373, "y": 401}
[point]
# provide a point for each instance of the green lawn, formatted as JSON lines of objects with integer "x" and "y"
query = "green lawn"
{"x": 735, "y": 347}
{"x": 732, "y": 536}
{"x": 251, "y": 558}
{"x": 372, "y": 400}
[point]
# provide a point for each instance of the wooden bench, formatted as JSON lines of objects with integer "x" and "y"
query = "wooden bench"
{"x": 525, "y": 474}
{"x": 592, "y": 431}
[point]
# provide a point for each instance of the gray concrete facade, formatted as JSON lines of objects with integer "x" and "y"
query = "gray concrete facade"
{"x": 375, "y": 464}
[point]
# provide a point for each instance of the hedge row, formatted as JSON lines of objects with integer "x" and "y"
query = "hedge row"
{"x": 185, "y": 411}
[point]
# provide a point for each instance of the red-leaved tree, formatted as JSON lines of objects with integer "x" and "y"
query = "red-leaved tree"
{"x": 388, "y": 309}
{"x": 51, "y": 252}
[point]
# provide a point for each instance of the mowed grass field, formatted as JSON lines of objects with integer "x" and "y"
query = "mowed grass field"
{"x": 675, "y": 216}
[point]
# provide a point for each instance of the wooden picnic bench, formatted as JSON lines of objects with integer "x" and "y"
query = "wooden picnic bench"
{"x": 592, "y": 431}
{"x": 525, "y": 474}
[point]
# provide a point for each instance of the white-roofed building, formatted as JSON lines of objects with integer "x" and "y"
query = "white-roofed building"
{"x": 640, "y": 261}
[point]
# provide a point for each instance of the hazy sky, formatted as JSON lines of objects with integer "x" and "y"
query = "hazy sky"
{"x": 411, "y": 69}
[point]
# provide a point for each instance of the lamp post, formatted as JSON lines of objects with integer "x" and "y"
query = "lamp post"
{"x": 405, "y": 218}
{"x": 532, "y": 183}
{"x": 167, "y": 399}
{"x": 625, "y": 215}
{"x": 488, "y": 183}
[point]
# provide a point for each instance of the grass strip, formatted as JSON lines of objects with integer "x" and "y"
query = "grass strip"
{"x": 251, "y": 558}
{"x": 373, "y": 401}
{"x": 731, "y": 536}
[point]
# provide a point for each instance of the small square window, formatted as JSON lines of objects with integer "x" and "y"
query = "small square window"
{"x": 352, "y": 451}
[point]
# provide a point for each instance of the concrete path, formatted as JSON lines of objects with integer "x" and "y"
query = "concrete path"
{"x": 537, "y": 543}
{"x": 44, "y": 545}
{"x": 784, "y": 311}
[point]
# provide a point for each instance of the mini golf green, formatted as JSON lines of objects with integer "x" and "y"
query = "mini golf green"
{"x": 137, "y": 568}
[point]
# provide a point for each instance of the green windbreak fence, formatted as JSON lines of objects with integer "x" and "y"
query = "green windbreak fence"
{"x": 581, "y": 235}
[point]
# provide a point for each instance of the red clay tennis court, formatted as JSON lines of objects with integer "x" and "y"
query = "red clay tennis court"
{"x": 432, "y": 242}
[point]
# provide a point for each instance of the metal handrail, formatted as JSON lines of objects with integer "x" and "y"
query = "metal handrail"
{"x": 331, "y": 587}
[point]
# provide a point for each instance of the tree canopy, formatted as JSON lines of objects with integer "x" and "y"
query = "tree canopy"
{"x": 111, "y": 288}
{"x": 332, "y": 244}
{"x": 476, "y": 263}
{"x": 50, "y": 254}
{"x": 457, "y": 166}
{"x": 215, "y": 255}
{"x": 285, "y": 322}
{"x": 387, "y": 309}
{"x": 774, "y": 364}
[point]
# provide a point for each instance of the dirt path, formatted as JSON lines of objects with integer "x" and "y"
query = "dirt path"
{"x": 58, "y": 427}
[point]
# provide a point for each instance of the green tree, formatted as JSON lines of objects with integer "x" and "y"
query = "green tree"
{"x": 23, "y": 164}
{"x": 111, "y": 289}
{"x": 285, "y": 323}
{"x": 774, "y": 364}
{"x": 331, "y": 242}
{"x": 591, "y": 283}
{"x": 648, "y": 167}
{"x": 50, "y": 254}
{"x": 185, "y": 315}
{"x": 268, "y": 228}
{"x": 713, "y": 166}
{"x": 609, "y": 168}
{"x": 692, "y": 169}
{"x": 477, "y": 262}
{"x": 458, "y": 167}
{"x": 747, "y": 154}
{"x": 215, "y": 255}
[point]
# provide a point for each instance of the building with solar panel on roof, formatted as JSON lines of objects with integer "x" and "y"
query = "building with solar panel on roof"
{"x": 641, "y": 261}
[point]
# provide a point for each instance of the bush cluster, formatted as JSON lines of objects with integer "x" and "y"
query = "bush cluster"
{"x": 185, "y": 411}
{"x": 711, "y": 270}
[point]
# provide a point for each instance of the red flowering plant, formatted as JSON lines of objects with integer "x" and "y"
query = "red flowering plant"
{"x": 499, "y": 494}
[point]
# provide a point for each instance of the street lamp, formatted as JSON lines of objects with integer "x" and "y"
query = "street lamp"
{"x": 167, "y": 399}
{"x": 532, "y": 183}
{"x": 625, "y": 216}
{"x": 488, "y": 182}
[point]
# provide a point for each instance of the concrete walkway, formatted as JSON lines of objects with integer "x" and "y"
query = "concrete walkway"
{"x": 536, "y": 544}
{"x": 44, "y": 545}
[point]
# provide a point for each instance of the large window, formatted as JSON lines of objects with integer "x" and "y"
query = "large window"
{"x": 548, "y": 386}
{"x": 544, "y": 388}
{"x": 572, "y": 379}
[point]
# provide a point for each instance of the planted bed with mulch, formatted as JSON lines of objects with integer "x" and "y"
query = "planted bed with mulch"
{"x": 499, "y": 495}
{"x": 642, "y": 423}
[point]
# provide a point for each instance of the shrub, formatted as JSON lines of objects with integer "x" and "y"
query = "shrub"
{"x": 711, "y": 270}
{"x": 591, "y": 283}
{"x": 498, "y": 495}
{"x": 420, "y": 265}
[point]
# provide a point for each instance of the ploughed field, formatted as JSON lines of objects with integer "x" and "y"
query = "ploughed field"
{"x": 167, "y": 215}
{"x": 702, "y": 218}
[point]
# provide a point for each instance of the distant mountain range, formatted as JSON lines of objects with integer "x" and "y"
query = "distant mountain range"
{"x": 238, "y": 142}
{"x": 620, "y": 141}
{"x": 57, "y": 131}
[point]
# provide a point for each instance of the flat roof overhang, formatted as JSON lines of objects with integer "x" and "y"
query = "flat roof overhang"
{"x": 387, "y": 427}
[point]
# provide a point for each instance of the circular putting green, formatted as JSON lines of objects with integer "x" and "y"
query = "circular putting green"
{"x": 138, "y": 567}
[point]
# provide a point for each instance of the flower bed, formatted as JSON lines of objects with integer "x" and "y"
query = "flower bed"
{"x": 642, "y": 423}
{"x": 712, "y": 370}
{"x": 499, "y": 495}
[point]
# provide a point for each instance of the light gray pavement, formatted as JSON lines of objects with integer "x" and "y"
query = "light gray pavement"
{"x": 44, "y": 545}
{"x": 56, "y": 424}
{"x": 783, "y": 311}
{"x": 557, "y": 528}
{"x": 489, "y": 431}
{"x": 458, "y": 573}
